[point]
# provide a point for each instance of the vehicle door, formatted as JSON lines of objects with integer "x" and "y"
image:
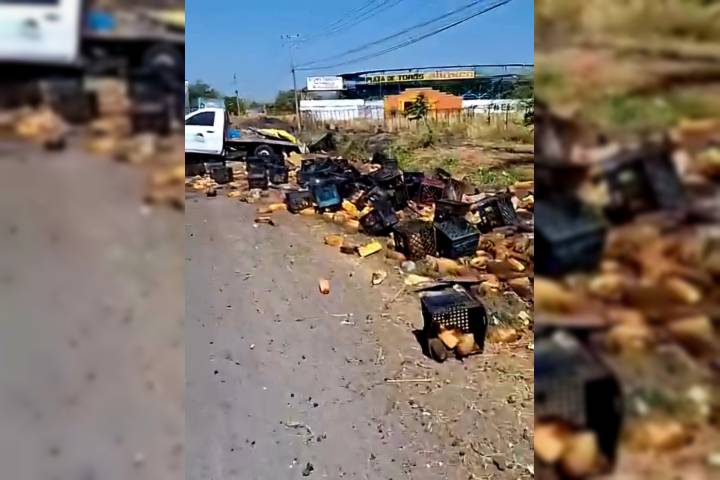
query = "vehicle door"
{"x": 40, "y": 31}
{"x": 204, "y": 132}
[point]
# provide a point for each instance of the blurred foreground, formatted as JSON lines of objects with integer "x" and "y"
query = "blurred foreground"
{"x": 627, "y": 220}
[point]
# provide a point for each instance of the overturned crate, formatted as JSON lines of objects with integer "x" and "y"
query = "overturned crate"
{"x": 456, "y": 238}
{"x": 574, "y": 386}
{"x": 299, "y": 200}
{"x": 641, "y": 181}
{"x": 257, "y": 176}
{"x": 221, "y": 174}
{"x": 446, "y": 209}
{"x": 380, "y": 220}
{"x": 279, "y": 174}
{"x": 325, "y": 193}
{"x": 568, "y": 237}
{"x": 430, "y": 190}
{"x": 415, "y": 239}
{"x": 452, "y": 309}
{"x": 495, "y": 211}
{"x": 391, "y": 180}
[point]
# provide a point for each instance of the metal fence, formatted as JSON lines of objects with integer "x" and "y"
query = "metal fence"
{"x": 492, "y": 113}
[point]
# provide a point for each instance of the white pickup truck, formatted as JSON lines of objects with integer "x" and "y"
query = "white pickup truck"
{"x": 48, "y": 48}
{"x": 208, "y": 138}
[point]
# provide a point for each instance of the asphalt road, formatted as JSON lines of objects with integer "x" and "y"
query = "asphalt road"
{"x": 284, "y": 382}
{"x": 91, "y": 339}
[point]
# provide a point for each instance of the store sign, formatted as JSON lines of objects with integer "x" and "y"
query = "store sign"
{"x": 324, "y": 83}
{"x": 420, "y": 77}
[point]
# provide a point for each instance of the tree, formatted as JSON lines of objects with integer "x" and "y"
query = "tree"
{"x": 418, "y": 109}
{"x": 201, "y": 89}
{"x": 284, "y": 101}
{"x": 525, "y": 91}
{"x": 231, "y": 105}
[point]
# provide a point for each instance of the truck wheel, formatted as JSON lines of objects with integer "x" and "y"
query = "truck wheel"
{"x": 264, "y": 151}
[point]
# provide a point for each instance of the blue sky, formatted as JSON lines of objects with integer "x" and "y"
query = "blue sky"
{"x": 226, "y": 37}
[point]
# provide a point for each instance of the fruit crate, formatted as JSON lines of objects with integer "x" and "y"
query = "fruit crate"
{"x": 412, "y": 183}
{"x": 573, "y": 385}
{"x": 257, "y": 177}
{"x": 221, "y": 175}
{"x": 415, "y": 239}
{"x": 454, "y": 308}
{"x": 568, "y": 237}
{"x": 431, "y": 190}
{"x": 312, "y": 170}
{"x": 256, "y": 164}
{"x": 279, "y": 174}
{"x": 456, "y": 238}
{"x": 391, "y": 180}
{"x": 642, "y": 181}
{"x": 326, "y": 194}
{"x": 298, "y": 200}
{"x": 496, "y": 211}
{"x": 380, "y": 220}
{"x": 445, "y": 209}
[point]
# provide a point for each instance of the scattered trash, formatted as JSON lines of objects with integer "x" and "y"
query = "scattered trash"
{"x": 309, "y": 468}
{"x": 413, "y": 280}
{"x": 378, "y": 277}
{"x": 324, "y": 285}
{"x": 334, "y": 240}
{"x": 265, "y": 220}
{"x": 369, "y": 249}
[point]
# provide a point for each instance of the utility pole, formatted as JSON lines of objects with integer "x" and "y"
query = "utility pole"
{"x": 291, "y": 42}
{"x": 237, "y": 95}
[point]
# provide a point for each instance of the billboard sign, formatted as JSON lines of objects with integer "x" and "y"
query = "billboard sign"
{"x": 315, "y": 84}
{"x": 421, "y": 77}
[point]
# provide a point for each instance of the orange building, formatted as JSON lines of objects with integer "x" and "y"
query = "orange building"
{"x": 437, "y": 100}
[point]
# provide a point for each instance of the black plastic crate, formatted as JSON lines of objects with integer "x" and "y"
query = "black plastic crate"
{"x": 298, "y": 200}
{"x": 412, "y": 183}
{"x": 194, "y": 168}
{"x": 313, "y": 169}
{"x": 391, "y": 180}
{"x": 573, "y": 385}
{"x": 326, "y": 194}
{"x": 278, "y": 174}
{"x": 221, "y": 175}
{"x": 454, "y": 308}
{"x": 641, "y": 181}
{"x": 430, "y": 190}
{"x": 257, "y": 176}
{"x": 496, "y": 211}
{"x": 456, "y": 238}
{"x": 415, "y": 239}
{"x": 379, "y": 158}
{"x": 380, "y": 220}
{"x": 445, "y": 209}
{"x": 568, "y": 237}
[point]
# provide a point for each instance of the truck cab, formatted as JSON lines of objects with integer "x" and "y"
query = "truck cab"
{"x": 40, "y": 31}
{"x": 206, "y": 131}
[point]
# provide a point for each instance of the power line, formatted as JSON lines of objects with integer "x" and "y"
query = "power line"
{"x": 344, "y": 18}
{"x": 407, "y": 42}
{"x": 396, "y": 35}
{"x": 350, "y": 23}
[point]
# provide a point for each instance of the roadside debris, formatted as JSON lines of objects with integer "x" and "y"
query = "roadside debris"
{"x": 378, "y": 277}
{"x": 324, "y": 286}
{"x": 436, "y": 226}
{"x": 624, "y": 235}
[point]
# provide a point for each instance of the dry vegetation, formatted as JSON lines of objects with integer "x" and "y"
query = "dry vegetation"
{"x": 630, "y": 66}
